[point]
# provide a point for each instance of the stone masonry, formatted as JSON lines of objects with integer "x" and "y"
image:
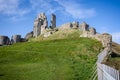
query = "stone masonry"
{"x": 4, "y": 40}
{"x": 40, "y": 24}
{"x": 16, "y": 38}
{"x": 84, "y": 26}
{"x": 53, "y": 21}
{"x": 73, "y": 25}
{"x": 41, "y": 28}
{"x": 29, "y": 35}
{"x": 90, "y": 32}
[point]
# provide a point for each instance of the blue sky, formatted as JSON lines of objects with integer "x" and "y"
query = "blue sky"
{"x": 17, "y": 16}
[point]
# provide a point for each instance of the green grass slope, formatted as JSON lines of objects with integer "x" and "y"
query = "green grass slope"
{"x": 71, "y": 58}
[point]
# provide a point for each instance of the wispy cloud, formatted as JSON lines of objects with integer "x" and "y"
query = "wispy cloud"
{"x": 8, "y": 7}
{"x": 116, "y": 37}
{"x": 12, "y": 9}
{"x": 71, "y": 8}
{"x": 75, "y": 9}
{"x": 46, "y": 6}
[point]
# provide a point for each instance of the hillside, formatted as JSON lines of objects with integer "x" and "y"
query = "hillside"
{"x": 61, "y": 56}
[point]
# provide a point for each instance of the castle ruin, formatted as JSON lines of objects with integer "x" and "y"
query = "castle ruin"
{"x": 15, "y": 38}
{"x": 41, "y": 28}
{"x": 4, "y": 40}
{"x": 53, "y": 21}
{"x": 40, "y": 24}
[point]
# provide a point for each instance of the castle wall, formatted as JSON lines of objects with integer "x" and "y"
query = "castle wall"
{"x": 73, "y": 25}
{"x": 4, "y": 40}
{"x": 29, "y": 35}
{"x": 16, "y": 38}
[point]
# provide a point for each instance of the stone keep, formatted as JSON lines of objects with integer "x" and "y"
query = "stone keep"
{"x": 40, "y": 24}
{"x": 53, "y": 21}
{"x": 4, "y": 40}
{"x": 16, "y": 38}
{"x": 84, "y": 27}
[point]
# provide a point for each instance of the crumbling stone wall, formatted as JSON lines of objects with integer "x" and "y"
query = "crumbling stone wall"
{"x": 65, "y": 26}
{"x": 90, "y": 32}
{"x": 73, "y": 25}
{"x": 29, "y": 35}
{"x": 4, "y": 40}
{"x": 16, "y": 38}
{"x": 40, "y": 24}
{"x": 53, "y": 21}
{"x": 105, "y": 38}
{"x": 84, "y": 27}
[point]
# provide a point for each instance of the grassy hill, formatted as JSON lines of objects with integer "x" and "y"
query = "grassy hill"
{"x": 62, "y": 56}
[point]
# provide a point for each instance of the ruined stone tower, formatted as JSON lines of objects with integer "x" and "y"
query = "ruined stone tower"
{"x": 40, "y": 24}
{"x": 53, "y": 21}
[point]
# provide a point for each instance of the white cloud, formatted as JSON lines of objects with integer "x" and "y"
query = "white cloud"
{"x": 67, "y": 8}
{"x": 8, "y": 7}
{"x": 116, "y": 37}
{"x": 75, "y": 9}
{"x": 44, "y": 6}
{"x": 11, "y": 7}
